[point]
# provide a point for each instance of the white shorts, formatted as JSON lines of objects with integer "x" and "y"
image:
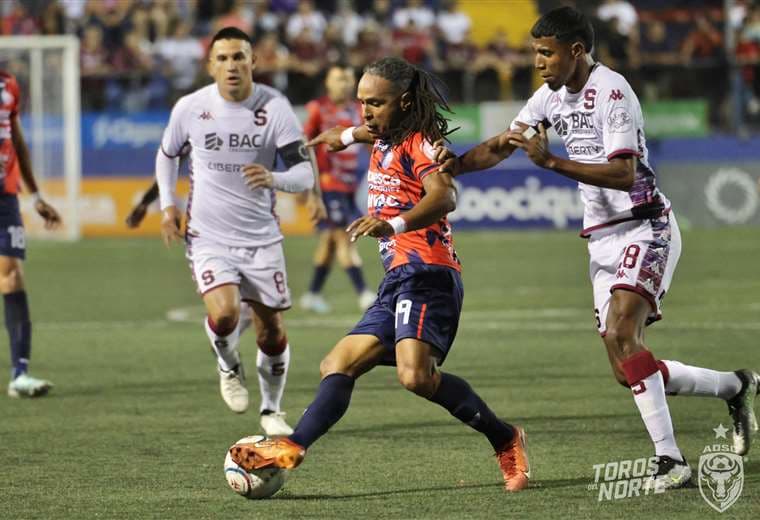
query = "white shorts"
{"x": 259, "y": 272}
{"x": 639, "y": 256}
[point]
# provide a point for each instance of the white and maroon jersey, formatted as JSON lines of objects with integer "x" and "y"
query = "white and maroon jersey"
{"x": 600, "y": 122}
{"x": 225, "y": 136}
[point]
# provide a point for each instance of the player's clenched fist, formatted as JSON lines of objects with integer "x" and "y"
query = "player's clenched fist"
{"x": 369, "y": 226}
{"x": 170, "y": 225}
{"x": 256, "y": 176}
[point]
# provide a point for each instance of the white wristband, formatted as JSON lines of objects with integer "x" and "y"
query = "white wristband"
{"x": 347, "y": 136}
{"x": 398, "y": 224}
{"x": 36, "y": 197}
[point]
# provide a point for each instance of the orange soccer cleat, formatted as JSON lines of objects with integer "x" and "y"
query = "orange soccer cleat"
{"x": 513, "y": 462}
{"x": 268, "y": 453}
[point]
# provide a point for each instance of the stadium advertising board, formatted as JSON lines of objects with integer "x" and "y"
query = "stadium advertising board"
{"x": 520, "y": 198}
{"x": 119, "y": 155}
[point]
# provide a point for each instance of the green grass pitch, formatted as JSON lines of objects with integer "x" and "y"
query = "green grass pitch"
{"x": 135, "y": 427}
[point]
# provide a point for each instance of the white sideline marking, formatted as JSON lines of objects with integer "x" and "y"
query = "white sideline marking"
{"x": 528, "y": 320}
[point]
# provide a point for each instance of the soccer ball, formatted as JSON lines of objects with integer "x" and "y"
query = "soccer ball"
{"x": 260, "y": 483}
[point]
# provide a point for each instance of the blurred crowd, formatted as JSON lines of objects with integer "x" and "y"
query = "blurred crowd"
{"x": 144, "y": 54}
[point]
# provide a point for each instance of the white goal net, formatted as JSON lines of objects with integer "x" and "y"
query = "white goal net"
{"x": 47, "y": 69}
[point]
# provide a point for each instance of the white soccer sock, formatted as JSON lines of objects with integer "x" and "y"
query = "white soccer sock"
{"x": 224, "y": 346}
{"x": 653, "y": 408}
{"x": 689, "y": 380}
{"x": 648, "y": 387}
{"x": 273, "y": 372}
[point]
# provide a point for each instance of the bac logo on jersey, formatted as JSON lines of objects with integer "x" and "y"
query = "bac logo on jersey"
{"x": 213, "y": 141}
{"x": 616, "y": 95}
{"x": 560, "y": 125}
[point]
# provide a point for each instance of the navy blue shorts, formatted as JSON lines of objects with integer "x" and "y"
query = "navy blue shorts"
{"x": 417, "y": 301}
{"x": 12, "y": 237}
{"x": 341, "y": 210}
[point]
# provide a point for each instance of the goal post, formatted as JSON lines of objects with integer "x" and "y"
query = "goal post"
{"x": 47, "y": 68}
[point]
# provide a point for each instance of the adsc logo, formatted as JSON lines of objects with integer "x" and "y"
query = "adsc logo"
{"x": 721, "y": 474}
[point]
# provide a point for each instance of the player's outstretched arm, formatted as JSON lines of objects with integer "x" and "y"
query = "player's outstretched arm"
{"x": 485, "y": 155}
{"x": 617, "y": 174}
{"x": 340, "y": 137}
{"x": 439, "y": 200}
{"x": 46, "y": 211}
{"x": 136, "y": 216}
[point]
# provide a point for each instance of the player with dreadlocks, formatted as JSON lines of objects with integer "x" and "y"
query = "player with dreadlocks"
{"x": 413, "y": 322}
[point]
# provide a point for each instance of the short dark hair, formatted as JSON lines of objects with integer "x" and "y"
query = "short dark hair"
{"x": 567, "y": 25}
{"x": 230, "y": 33}
{"x": 427, "y": 98}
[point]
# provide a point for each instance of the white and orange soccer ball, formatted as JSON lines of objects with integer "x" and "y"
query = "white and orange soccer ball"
{"x": 260, "y": 483}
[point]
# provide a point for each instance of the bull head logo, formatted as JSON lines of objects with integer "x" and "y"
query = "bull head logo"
{"x": 721, "y": 479}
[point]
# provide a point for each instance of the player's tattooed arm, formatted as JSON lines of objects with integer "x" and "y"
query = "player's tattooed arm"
{"x": 618, "y": 173}
{"x": 336, "y": 141}
{"x": 439, "y": 200}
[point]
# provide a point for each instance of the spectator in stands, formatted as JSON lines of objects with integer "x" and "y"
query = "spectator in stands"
{"x": 622, "y": 14}
{"x": 452, "y": 23}
{"x": 617, "y": 35}
{"x": 306, "y": 64}
{"x": 496, "y": 67}
{"x": 306, "y": 18}
{"x": 162, "y": 16}
{"x": 94, "y": 68}
{"x": 52, "y": 19}
{"x": 239, "y": 15}
{"x": 703, "y": 43}
{"x": 703, "y": 49}
{"x": 748, "y": 57}
{"x": 414, "y": 43}
{"x": 657, "y": 52}
{"x": 19, "y": 21}
{"x": 348, "y": 22}
{"x": 455, "y": 66}
{"x": 272, "y": 58}
{"x": 381, "y": 13}
{"x": 373, "y": 44}
{"x": 264, "y": 20}
{"x": 180, "y": 57}
{"x": 133, "y": 67}
{"x": 113, "y": 20}
{"x": 415, "y": 14}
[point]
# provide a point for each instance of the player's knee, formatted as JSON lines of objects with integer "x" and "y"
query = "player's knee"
{"x": 620, "y": 377}
{"x": 225, "y": 322}
{"x": 11, "y": 280}
{"x": 621, "y": 338}
{"x": 331, "y": 365}
{"x": 271, "y": 342}
{"x": 418, "y": 381}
